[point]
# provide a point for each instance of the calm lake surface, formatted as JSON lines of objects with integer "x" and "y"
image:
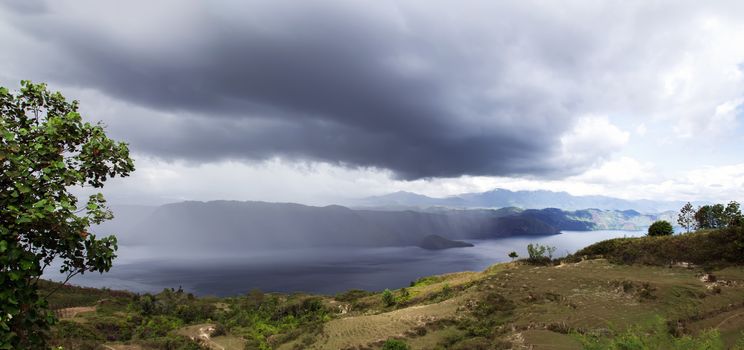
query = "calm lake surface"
{"x": 325, "y": 271}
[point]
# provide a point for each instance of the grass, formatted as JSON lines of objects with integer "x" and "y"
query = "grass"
{"x": 230, "y": 342}
{"x": 65, "y": 296}
{"x": 625, "y": 300}
{"x": 539, "y": 339}
{"x": 513, "y": 304}
{"x": 707, "y": 248}
{"x": 550, "y": 303}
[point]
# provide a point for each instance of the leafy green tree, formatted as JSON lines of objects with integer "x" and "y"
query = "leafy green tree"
{"x": 388, "y": 298}
{"x": 540, "y": 252}
{"x": 718, "y": 211}
{"x": 513, "y": 255}
{"x": 536, "y": 251}
{"x": 705, "y": 217}
{"x": 732, "y": 214}
{"x": 45, "y": 150}
{"x": 718, "y": 215}
{"x": 686, "y": 217}
{"x": 661, "y": 228}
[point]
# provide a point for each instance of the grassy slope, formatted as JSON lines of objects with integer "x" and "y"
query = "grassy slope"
{"x": 589, "y": 296}
{"x": 517, "y": 305}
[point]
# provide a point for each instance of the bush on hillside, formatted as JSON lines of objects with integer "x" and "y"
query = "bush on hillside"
{"x": 387, "y": 298}
{"x": 660, "y": 228}
{"x": 395, "y": 344}
{"x": 540, "y": 254}
{"x": 717, "y": 247}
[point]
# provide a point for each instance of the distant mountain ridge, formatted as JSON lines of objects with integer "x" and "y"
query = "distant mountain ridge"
{"x": 251, "y": 226}
{"x": 501, "y": 198}
{"x": 262, "y": 225}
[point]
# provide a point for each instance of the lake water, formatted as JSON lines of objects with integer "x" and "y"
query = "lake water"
{"x": 324, "y": 271}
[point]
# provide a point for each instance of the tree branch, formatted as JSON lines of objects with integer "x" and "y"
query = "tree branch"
{"x": 70, "y": 275}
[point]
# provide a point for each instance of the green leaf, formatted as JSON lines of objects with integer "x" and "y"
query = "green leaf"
{"x": 14, "y": 275}
{"x": 23, "y": 188}
{"x": 45, "y": 148}
{"x": 26, "y": 265}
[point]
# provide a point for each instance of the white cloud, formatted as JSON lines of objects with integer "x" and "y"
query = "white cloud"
{"x": 624, "y": 170}
{"x": 592, "y": 138}
{"x": 641, "y": 129}
{"x": 703, "y": 89}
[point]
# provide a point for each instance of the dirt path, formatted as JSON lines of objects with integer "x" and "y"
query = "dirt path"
{"x": 728, "y": 319}
{"x": 71, "y": 312}
{"x": 202, "y": 333}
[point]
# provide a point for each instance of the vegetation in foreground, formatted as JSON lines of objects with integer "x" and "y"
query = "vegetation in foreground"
{"x": 638, "y": 293}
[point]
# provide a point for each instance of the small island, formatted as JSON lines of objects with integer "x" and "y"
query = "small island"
{"x": 437, "y": 242}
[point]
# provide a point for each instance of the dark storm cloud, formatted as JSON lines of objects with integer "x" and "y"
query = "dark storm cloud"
{"x": 403, "y": 88}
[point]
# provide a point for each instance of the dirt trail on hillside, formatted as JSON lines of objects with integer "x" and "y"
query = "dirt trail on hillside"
{"x": 203, "y": 334}
{"x": 71, "y": 312}
{"x": 741, "y": 314}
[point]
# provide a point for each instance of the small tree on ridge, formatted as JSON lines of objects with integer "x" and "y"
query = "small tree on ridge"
{"x": 686, "y": 217}
{"x": 660, "y": 228}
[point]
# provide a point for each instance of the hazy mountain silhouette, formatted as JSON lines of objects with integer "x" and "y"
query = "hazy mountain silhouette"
{"x": 259, "y": 225}
{"x": 500, "y": 198}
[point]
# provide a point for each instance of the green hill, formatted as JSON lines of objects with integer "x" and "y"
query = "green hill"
{"x": 677, "y": 292}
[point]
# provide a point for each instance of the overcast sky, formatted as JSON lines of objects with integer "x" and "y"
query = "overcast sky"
{"x": 321, "y": 101}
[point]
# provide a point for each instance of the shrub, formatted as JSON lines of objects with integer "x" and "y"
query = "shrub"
{"x": 157, "y": 326}
{"x": 73, "y": 330}
{"x": 660, "y": 228}
{"x": 540, "y": 254}
{"x": 446, "y": 291}
{"x": 404, "y": 295}
{"x": 387, "y": 298}
{"x": 395, "y": 344}
{"x": 219, "y": 329}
